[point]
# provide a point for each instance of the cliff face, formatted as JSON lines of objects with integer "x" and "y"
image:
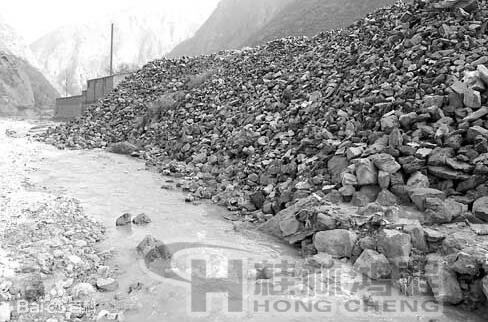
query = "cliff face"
{"x": 230, "y": 25}
{"x": 23, "y": 89}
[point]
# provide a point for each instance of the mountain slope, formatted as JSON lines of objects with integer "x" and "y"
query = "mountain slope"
{"x": 310, "y": 17}
{"x": 229, "y": 26}
{"x": 72, "y": 54}
{"x": 23, "y": 89}
{"x": 240, "y": 23}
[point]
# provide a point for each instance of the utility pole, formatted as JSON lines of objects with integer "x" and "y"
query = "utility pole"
{"x": 111, "y": 49}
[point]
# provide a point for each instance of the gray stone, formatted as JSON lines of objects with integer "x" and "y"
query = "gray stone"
{"x": 373, "y": 264}
{"x": 386, "y": 198}
{"x": 389, "y": 122}
{"x": 336, "y": 166}
{"x": 437, "y": 212}
{"x": 484, "y": 283}
{"x": 123, "y": 148}
{"x": 472, "y": 98}
{"x": 465, "y": 264}
{"x": 385, "y": 162}
{"x": 383, "y": 179}
{"x": 395, "y": 245}
{"x": 338, "y": 242}
{"x": 447, "y": 173}
{"x": 348, "y": 179}
{"x": 439, "y": 156}
{"x": 475, "y": 131}
{"x": 418, "y": 180}
{"x": 418, "y": 196}
{"x": 476, "y": 114}
{"x": 107, "y": 284}
{"x": 366, "y": 172}
{"x": 417, "y": 235}
{"x": 141, "y": 219}
{"x": 480, "y": 208}
{"x": 483, "y": 74}
{"x": 442, "y": 281}
{"x": 124, "y": 220}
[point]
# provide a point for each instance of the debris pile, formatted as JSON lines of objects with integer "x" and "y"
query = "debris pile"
{"x": 392, "y": 110}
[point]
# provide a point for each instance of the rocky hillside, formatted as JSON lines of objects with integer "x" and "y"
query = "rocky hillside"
{"x": 236, "y": 24}
{"x": 321, "y": 15}
{"x": 23, "y": 89}
{"x": 230, "y": 25}
{"x": 72, "y": 54}
{"x": 390, "y": 111}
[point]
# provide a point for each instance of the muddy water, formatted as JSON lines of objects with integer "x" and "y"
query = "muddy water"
{"x": 108, "y": 185}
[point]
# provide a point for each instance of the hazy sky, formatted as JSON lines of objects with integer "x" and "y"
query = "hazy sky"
{"x": 34, "y": 18}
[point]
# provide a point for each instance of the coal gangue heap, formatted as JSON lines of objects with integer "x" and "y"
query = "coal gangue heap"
{"x": 392, "y": 110}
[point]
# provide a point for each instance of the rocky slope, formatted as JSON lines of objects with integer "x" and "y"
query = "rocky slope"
{"x": 72, "y": 54}
{"x": 229, "y": 26}
{"x": 23, "y": 89}
{"x": 390, "y": 111}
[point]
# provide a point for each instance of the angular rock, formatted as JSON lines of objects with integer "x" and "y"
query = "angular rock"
{"x": 437, "y": 212}
{"x": 442, "y": 281}
{"x": 480, "y": 208}
{"x": 123, "y": 148}
{"x": 385, "y": 162}
{"x": 366, "y": 172}
{"x": 123, "y": 220}
{"x": 386, "y": 198}
{"x": 419, "y": 195}
{"x": 395, "y": 245}
{"x": 373, "y": 264}
{"x": 336, "y": 165}
{"x": 383, "y": 179}
{"x": 446, "y": 173}
{"x": 141, "y": 219}
{"x": 107, "y": 284}
{"x": 418, "y": 180}
{"x": 337, "y": 243}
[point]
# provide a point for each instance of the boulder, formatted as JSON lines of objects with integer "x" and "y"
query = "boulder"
{"x": 418, "y": 180}
{"x": 123, "y": 148}
{"x": 385, "y": 162}
{"x": 464, "y": 263}
{"x": 366, "y": 172}
{"x": 373, "y": 264}
{"x": 383, "y": 179}
{"x": 395, "y": 245}
{"x": 447, "y": 173}
{"x": 437, "y": 212}
{"x": 389, "y": 122}
{"x": 442, "y": 281}
{"x": 386, "y": 198}
{"x": 483, "y": 73}
{"x": 141, "y": 219}
{"x": 484, "y": 283}
{"x": 419, "y": 195}
{"x": 337, "y": 243}
{"x": 480, "y": 208}
{"x": 107, "y": 284}
{"x": 124, "y": 220}
{"x": 417, "y": 235}
{"x": 336, "y": 165}
{"x": 348, "y": 179}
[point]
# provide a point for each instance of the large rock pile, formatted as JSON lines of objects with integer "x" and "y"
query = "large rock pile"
{"x": 396, "y": 102}
{"x": 393, "y": 109}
